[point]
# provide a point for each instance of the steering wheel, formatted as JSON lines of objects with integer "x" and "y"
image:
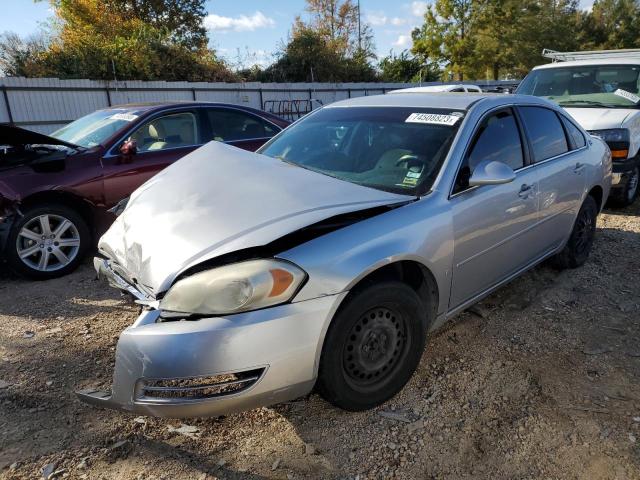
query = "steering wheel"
{"x": 410, "y": 159}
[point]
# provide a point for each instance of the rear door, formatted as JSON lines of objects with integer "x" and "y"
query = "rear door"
{"x": 557, "y": 148}
{"x": 160, "y": 140}
{"x": 494, "y": 225}
{"x": 238, "y": 128}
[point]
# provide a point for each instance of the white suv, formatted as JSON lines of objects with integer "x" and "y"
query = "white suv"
{"x": 601, "y": 90}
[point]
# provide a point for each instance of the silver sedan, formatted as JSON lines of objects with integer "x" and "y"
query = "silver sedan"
{"x": 324, "y": 260}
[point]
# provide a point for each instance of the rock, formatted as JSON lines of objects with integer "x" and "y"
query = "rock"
{"x": 14, "y": 466}
{"x": 632, "y": 438}
{"x": 222, "y": 462}
{"x": 392, "y": 445}
{"x": 48, "y": 469}
{"x": 276, "y": 464}
{"x": 186, "y": 430}
{"x": 203, "y": 476}
{"x": 413, "y": 427}
{"x": 29, "y": 334}
{"x": 405, "y": 417}
{"x": 309, "y": 449}
{"x": 82, "y": 465}
{"x": 140, "y": 420}
{"x": 53, "y": 330}
{"x": 636, "y": 419}
{"x": 48, "y": 383}
{"x": 4, "y": 384}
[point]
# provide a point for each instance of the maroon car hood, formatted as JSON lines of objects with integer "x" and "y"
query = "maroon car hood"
{"x": 16, "y": 136}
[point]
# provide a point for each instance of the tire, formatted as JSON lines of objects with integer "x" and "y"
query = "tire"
{"x": 358, "y": 370}
{"x": 32, "y": 255}
{"x": 577, "y": 249}
{"x": 623, "y": 197}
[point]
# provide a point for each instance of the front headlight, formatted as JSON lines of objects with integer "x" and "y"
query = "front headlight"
{"x": 612, "y": 135}
{"x": 234, "y": 288}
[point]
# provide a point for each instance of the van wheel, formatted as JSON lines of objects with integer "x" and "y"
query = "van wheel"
{"x": 47, "y": 242}
{"x": 576, "y": 252}
{"x": 373, "y": 346}
{"x": 625, "y": 196}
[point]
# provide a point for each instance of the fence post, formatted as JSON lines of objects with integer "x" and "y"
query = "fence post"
{"x": 6, "y": 102}
{"x": 193, "y": 94}
{"x": 261, "y": 98}
{"x": 106, "y": 90}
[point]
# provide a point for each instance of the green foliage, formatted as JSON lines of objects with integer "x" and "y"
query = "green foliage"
{"x": 406, "y": 68}
{"x": 611, "y": 24}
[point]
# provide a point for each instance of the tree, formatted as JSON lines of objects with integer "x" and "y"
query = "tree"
{"x": 183, "y": 19}
{"x": 407, "y": 68}
{"x": 107, "y": 39}
{"x": 18, "y": 56}
{"x": 611, "y": 24}
{"x": 446, "y": 36}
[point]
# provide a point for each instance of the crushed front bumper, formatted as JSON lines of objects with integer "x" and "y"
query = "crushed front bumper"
{"x": 260, "y": 358}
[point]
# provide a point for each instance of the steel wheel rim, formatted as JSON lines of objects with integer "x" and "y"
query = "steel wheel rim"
{"x": 48, "y": 242}
{"x": 633, "y": 184}
{"x": 584, "y": 231}
{"x": 375, "y": 346}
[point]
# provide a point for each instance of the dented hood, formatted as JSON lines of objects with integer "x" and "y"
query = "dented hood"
{"x": 599, "y": 118}
{"x": 221, "y": 199}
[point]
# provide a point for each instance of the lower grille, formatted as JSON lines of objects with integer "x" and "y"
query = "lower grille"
{"x": 199, "y": 388}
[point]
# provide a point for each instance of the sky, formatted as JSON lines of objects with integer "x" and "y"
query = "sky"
{"x": 249, "y": 32}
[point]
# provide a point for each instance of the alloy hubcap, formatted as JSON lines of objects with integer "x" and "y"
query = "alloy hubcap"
{"x": 48, "y": 242}
{"x": 374, "y": 346}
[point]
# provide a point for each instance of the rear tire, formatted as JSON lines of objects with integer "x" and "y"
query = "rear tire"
{"x": 577, "y": 249}
{"x": 47, "y": 242}
{"x": 373, "y": 346}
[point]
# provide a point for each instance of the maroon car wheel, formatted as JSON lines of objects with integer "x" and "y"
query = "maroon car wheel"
{"x": 47, "y": 242}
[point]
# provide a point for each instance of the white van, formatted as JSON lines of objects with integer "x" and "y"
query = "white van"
{"x": 601, "y": 90}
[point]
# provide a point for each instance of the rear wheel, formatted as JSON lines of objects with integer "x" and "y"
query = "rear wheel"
{"x": 373, "y": 346}
{"x": 47, "y": 242}
{"x": 577, "y": 249}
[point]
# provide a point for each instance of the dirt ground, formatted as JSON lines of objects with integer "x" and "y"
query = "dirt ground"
{"x": 541, "y": 382}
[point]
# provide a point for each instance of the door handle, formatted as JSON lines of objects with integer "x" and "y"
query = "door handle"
{"x": 578, "y": 168}
{"x": 525, "y": 190}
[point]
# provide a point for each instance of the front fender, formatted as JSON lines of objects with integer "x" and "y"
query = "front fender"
{"x": 420, "y": 232}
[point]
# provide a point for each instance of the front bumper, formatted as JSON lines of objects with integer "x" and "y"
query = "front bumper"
{"x": 279, "y": 347}
{"x": 621, "y": 171}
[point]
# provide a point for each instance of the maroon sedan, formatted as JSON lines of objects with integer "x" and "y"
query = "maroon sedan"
{"x": 55, "y": 191}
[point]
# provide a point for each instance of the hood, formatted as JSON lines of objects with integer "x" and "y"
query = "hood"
{"x": 16, "y": 136}
{"x": 599, "y": 118}
{"x": 220, "y": 199}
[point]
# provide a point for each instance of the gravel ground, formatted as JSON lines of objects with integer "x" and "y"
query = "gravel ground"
{"x": 541, "y": 380}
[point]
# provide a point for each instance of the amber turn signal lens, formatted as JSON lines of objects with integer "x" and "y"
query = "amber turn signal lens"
{"x": 281, "y": 281}
{"x": 619, "y": 153}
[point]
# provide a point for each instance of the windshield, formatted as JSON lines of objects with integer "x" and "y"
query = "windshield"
{"x": 611, "y": 86}
{"x": 394, "y": 149}
{"x": 95, "y": 128}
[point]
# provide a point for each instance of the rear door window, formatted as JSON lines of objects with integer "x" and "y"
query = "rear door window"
{"x": 235, "y": 125}
{"x": 545, "y": 132}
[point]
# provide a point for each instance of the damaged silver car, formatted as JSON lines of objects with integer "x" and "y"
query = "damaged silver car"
{"x": 324, "y": 260}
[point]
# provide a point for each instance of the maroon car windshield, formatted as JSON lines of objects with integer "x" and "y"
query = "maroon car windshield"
{"x": 93, "y": 129}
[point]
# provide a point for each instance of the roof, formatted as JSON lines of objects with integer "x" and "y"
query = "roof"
{"x": 631, "y": 60}
{"x": 455, "y": 101}
{"x": 434, "y": 88}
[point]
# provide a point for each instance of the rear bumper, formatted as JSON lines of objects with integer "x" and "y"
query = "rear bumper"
{"x": 279, "y": 347}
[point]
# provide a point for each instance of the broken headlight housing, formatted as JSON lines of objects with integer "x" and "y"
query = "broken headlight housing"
{"x": 239, "y": 287}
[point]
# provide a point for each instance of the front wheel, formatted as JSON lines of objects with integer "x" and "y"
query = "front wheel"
{"x": 373, "y": 346}
{"x": 47, "y": 242}
{"x": 577, "y": 249}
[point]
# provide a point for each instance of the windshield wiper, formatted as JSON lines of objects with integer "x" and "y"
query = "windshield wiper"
{"x": 582, "y": 102}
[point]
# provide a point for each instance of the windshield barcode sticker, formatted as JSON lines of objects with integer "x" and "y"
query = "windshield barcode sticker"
{"x": 432, "y": 119}
{"x": 129, "y": 117}
{"x": 628, "y": 95}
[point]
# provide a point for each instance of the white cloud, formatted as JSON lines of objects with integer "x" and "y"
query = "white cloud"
{"x": 418, "y": 8}
{"x": 376, "y": 18}
{"x": 242, "y": 23}
{"x": 397, "y": 21}
{"x": 403, "y": 41}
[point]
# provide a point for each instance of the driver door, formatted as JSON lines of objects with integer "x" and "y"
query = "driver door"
{"x": 160, "y": 141}
{"x": 494, "y": 225}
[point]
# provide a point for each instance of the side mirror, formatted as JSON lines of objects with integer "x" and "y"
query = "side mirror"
{"x": 129, "y": 148}
{"x": 491, "y": 172}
